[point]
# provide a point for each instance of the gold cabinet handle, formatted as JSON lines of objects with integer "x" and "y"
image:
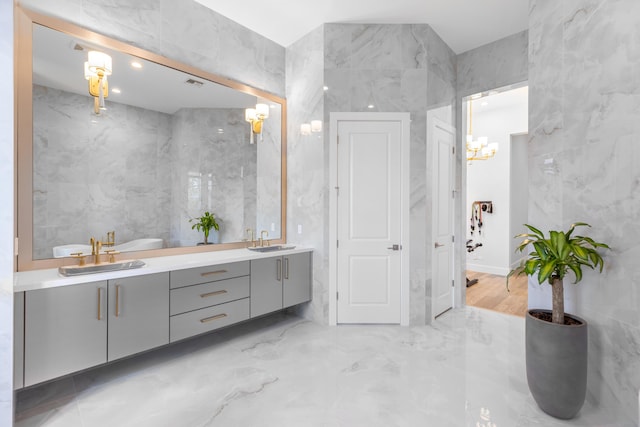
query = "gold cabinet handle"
{"x": 286, "y": 268}
{"x": 212, "y": 318}
{"x": 278, "y": 269}
{"x": 117, "y": 300}
{"x": 210, "y": 273}
{"x": 99, "y": 303}
{"x": 212, "y": 294}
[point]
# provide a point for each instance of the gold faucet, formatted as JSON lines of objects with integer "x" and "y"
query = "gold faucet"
{"x": 252, "y": 241}
{"x": 111, "y": 239}
{"x": 262, "y": 234}
{"x": 96, "y": 247}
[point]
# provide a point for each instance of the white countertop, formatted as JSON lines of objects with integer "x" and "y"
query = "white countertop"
{"x": 50, "y": 278}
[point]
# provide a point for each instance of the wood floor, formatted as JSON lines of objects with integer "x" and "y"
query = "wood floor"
{"x": 491, "y": 293}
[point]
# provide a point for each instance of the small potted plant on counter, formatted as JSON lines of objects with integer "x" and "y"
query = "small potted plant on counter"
{"x": 205, "y": 223}
{"x": 556, "y": 342}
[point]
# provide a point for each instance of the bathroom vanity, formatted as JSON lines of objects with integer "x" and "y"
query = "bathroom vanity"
{"x": 68, "y": 324}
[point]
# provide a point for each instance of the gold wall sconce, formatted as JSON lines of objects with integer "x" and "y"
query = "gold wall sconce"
{"x": 96, "y": 69}
{"x": 256, "y": 117}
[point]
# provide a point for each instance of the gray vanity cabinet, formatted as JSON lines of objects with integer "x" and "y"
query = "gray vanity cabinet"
{"x": 296, "y": 279}
{"x": 65, "y": 330}
{"x": 280, "y": 282}
{"x": 266, "y": 286}
{"x": 138, "y": 314}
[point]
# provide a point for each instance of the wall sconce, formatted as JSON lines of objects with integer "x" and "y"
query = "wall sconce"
{"x": 316, "y": 125}
{"x": 96, "y": 70}
{"x": 256, "y": 116}
{"x": 307, "y": 128}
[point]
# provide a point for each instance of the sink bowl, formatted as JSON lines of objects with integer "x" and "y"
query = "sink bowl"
{"x": 77, "y": 270}
{"x": 271, "y": 248}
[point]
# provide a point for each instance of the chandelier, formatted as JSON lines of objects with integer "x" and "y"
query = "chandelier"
{"x": 480, "y": 148}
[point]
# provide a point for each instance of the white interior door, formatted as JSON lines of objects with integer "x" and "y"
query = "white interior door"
{"x": 369, "y": 221}
{"x": 442, "y": 140}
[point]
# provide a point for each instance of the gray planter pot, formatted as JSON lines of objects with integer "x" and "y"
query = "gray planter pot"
{"x": 557, "y": 364}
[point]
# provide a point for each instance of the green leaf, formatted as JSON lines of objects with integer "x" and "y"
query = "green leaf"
{"x": 546, "y": 270}
{"x": 577, "y": 271}
{"x": 535, "y": 230}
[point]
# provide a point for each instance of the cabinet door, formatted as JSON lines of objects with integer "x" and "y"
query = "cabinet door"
{"x": 138, "y": 314}
{"x": 266, "y": 285}
{"x": 65, "y": 330}
{"x": 18, "y": 340}
{"x": 297, "y": 279}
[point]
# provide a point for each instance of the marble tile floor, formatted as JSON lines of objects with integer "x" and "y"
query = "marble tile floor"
{"x": 465, "y": 370}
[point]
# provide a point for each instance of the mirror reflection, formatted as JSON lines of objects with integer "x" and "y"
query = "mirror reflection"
{"x": 143, "y": 151}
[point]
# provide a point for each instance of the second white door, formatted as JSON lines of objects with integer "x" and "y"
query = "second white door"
{"x": 369, "y": 231}
{"x": 442, "y": 137}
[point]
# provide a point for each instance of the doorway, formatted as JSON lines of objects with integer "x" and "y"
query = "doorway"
{"x": 369, "y": 217}
{"x": 496, "y": 205}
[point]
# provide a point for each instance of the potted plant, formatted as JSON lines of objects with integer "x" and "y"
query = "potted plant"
{"x": 205, "y": 223}
{"x": 556, "y": 342}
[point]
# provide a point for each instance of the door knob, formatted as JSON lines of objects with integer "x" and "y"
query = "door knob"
{"x": 438, "y": 245}
{"x": 395, "y": 247}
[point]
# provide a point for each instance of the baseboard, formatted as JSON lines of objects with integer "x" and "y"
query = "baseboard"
{"x": 500, "y": 271}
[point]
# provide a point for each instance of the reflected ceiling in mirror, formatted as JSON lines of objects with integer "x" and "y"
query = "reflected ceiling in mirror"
{"x": 168, "y": 147}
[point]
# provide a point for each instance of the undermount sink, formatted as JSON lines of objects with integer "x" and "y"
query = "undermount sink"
{"x": 77, "y": 270}
{"x": 271, "y": 248}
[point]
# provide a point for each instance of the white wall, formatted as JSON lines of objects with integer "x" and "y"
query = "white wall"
{"x": 519, "y": 192}
{"x": 505, "y": 114}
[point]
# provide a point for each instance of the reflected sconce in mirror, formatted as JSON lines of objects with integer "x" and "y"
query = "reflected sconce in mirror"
{"x": 96, "y": 70}
{"x": 256, "y": 116}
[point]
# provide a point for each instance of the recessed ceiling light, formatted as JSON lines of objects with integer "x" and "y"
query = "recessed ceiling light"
{"x": 325, "y": 87}
{"x": 371, "y": 106}
{"x": 136, "y": 64}
{"x": 116, "y": 90}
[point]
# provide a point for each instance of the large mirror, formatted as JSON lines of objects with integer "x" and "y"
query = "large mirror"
{"x": 160, "y": 146}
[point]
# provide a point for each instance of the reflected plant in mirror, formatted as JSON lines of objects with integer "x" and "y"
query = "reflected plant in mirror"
{"x": 164, "y": 142}
{"x": 205, "y": 223}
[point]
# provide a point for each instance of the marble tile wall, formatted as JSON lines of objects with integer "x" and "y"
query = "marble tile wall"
{"x": 584, "y": 91}
{"x": 108, "y": 173}
{"x": 6, "y": 212}
{"x": 307, "y": 163}
{"x": 182, "y": 30}
{"x": 400, "y": 68}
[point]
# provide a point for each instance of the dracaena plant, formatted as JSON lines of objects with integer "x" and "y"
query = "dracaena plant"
{"x": 554, "y": 256}
{"x": 205, "y": 223}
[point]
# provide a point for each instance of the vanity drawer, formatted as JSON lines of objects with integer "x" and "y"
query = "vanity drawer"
{"x": 195, "y": 297}
{"x": 195, "y": 276}
{"x": 207, "y": 319}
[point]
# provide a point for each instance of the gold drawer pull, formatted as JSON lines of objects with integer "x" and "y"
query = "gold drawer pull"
{"x": 209, "y": 273}
{"x": 212, "y": 294}
{"x": 212, "y": 318}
